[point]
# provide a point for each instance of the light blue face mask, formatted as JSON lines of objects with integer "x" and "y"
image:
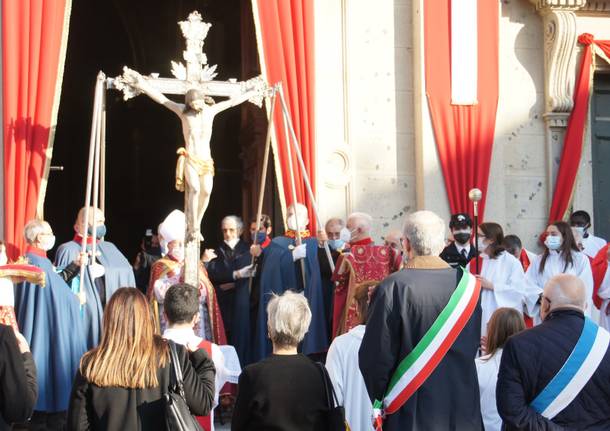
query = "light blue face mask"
{"x": 336, "y": 244}
{"x": 100, "y": 231}
{"x": 553, "y": 242}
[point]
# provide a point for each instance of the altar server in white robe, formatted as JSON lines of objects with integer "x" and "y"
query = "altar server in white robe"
{"x": 581, "y": 221}
{"x": 604, "y": 294}
{"x": 500, "y": 273}
{"x": 343, "y": 369}
{"x": 561, "y": 256}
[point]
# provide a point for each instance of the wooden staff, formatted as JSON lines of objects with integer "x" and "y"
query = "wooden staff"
{"x": 293, "y": 189}
{"x": 92, "y": 144}
{"x": 312, "y": 198}
{"x": 261, "y": 190}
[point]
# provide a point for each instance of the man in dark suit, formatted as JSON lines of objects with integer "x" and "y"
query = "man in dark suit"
{"x": 460, "y": 251}
{"x": 532, "y": 359}
{"x": 229, "y": 269}
{"x": 441, "y": 389}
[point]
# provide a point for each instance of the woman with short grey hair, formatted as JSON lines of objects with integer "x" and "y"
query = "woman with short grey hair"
{"x": 285, "y": 390}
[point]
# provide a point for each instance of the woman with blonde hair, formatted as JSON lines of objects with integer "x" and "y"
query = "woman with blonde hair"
{"x": 504, "y": 323}
{"x": 121, "y": 383}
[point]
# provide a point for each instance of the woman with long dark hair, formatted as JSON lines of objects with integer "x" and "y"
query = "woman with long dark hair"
{"x": 500, "y": 273}
{"x": 504, "y": 323}
{"x": 120, "y": 383}
{"x": 561, "y": 256}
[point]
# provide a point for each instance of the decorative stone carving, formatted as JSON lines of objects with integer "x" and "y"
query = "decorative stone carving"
{"x": 559, "y": 4}
{"x": 559, "y": 57}
{"x": 597, "y": 6}
{"x": 337, "y": 172}
{"x": 559, "y": 21}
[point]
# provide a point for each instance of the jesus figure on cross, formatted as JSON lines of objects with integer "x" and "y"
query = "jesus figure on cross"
{"x": 195, "y": 164}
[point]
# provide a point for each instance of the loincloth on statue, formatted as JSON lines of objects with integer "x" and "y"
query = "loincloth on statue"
{"x": 201, "y": 166}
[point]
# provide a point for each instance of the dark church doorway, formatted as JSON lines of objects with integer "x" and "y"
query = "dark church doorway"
{"x": 600, "y": 152}
{"x": 142, "y": 136}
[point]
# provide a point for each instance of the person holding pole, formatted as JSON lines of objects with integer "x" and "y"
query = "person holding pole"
{"x": 282, "y": 265}
{"x": 109, "y": 269}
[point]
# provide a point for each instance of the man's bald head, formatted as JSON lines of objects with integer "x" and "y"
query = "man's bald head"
{"x": 563, "y": 291}
{"x": 80, "y": 218}
{"x": 394, "y": 239}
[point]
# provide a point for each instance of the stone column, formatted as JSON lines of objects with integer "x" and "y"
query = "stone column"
{"x": 559, "y": 22}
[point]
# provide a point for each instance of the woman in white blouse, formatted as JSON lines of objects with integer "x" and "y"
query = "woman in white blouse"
{"x": 561, "y": 256}
{"x": 504, "y": 323}
{"x": 500, "y": 273}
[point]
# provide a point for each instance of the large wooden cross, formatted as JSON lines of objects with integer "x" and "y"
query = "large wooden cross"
{"x": 197, "y": 74}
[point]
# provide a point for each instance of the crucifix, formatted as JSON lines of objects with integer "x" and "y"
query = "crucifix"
{"x": 195, "y": 168}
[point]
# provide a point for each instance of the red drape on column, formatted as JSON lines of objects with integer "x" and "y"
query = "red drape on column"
{"x": 573, "y": 142}
{"x": 286, "y": 49}
{"x": 464, "y": 134}
{"x": 32, "y": 32}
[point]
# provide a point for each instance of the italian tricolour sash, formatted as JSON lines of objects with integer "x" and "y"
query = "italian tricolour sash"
{"x": 417, "y": 366}
{"x": 588, "y": 353}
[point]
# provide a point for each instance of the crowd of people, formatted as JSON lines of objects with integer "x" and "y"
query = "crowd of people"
{"x": 429, "y": 330}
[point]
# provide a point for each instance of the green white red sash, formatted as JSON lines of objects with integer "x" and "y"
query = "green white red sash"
{"x": 417, "y": 366}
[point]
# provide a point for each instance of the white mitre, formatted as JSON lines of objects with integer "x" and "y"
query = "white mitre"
{"x": 173, "y": 227}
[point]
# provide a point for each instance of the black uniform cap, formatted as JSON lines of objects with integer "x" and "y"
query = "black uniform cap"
{"x": 460, "y": 220}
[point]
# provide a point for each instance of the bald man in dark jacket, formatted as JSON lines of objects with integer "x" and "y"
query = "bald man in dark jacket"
{"x": 532, "y": 358}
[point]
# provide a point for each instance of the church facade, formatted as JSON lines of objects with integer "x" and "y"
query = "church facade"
{"x": 375, "y": 140}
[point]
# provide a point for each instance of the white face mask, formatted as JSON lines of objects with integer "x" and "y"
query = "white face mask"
{"x": 580, "y": 229}
{"x": 177, "y": 253}
{"x": 231, "y": 242}
{"x": 47, "y": 242}
{"x": 163, "y": 247}
{"x": 553, "y": 242}
{"x": 481, "y": 245}
{"x": 345, "y": 235}
{"x": 292, "y": 222}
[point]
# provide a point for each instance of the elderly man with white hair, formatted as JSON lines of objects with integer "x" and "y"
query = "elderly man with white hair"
{"x": 282, "y": 270}
{"x": 50, "y": 319}
{"x": 555, "y": 376}
{"x": 421, "y": 338}
{"x": 230, "y": 270}
{"x": 109, "y": 269}
{"x": 362, "y": 263}
{"x": 285, "y": 391}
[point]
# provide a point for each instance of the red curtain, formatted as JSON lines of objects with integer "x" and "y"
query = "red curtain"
{"x": 32, "y": 32}
{"x": 464, "y": 134}
{"x": 572, "y": 146}
{"x": 286, "y": 50}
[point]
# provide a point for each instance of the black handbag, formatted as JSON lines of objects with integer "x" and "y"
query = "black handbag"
{"x": 178, "y": 416}
{"x": 336, "y": 413}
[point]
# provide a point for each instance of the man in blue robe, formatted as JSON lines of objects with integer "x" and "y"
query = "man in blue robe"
{"x": 110, "y": 270}
{"x": 282, "y": 271}
{"x": 50, "y": 319}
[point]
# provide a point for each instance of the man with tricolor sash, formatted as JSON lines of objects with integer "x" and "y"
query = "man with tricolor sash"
{"x": 556, "y": 376}
{"x": 421, "y": 339}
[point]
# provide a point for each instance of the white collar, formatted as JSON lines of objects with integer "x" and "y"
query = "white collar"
{"x": 182, "y": 336}
{"x": 358, "y": 331}
{"x": 461, "y": 247}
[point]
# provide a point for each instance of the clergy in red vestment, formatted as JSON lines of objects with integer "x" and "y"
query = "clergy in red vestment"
{"x": 362, "y": 262}
{"x": 168, "y": 271}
